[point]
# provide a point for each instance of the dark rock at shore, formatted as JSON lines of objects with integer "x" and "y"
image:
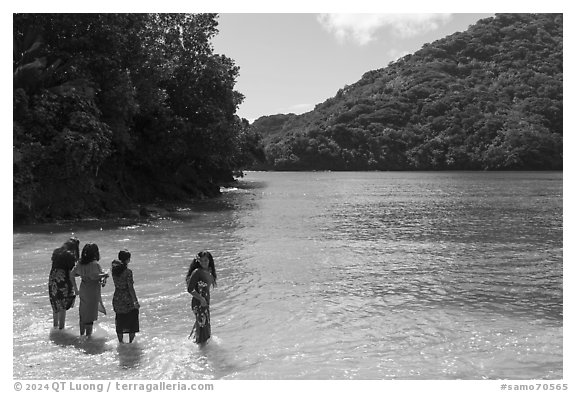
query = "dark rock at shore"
{"x": 132, "y": 213}
{"x": 112, "y": 204}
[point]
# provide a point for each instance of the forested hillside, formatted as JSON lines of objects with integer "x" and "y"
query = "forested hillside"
{"x": 116, "y": 109}
{"x": 489, "y": 98}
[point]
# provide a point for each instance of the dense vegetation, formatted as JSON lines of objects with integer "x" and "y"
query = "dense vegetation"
{"x": 116, "y": 109}
{"x": 489, "y": 98}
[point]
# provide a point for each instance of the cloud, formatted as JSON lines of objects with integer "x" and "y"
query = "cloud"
{"x": 299, "y": 108}
{"x": 395, "y": 54}
{"x": 361, "y": 28}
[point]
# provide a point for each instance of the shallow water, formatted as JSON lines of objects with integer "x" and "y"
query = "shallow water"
{"x": 452, "y": 275}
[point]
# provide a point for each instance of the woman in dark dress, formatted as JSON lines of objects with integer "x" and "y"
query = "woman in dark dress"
{"x": 201, "y": 275}
{"x": 125, "y": 302}
{"x": 60, "y": 287}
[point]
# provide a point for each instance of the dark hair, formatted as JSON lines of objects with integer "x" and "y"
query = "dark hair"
{"x": 73, "y": 245}
{"x": 63, "y": 259}
{"x": 90, "y": 253}
{"x": 195, "y": 264}
{"x": 66, "y": 256}
{"x": 118, "y": 267}
{"x": 124, "y": 255}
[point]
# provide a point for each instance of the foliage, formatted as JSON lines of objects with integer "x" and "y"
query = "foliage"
{"x": 489, "y": 98}
{"x": 118, "y": 108}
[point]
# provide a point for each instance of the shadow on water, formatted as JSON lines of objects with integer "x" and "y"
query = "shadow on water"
{"x": 129, "y": 355}
{"x": 71, "y": 226}
{"x": 184, "y": 210}
{"x": 237, "y": 196}
{"x": 91, "y": 346}
{"x": 250, "y": 185}
{"x": 184, "y": 213}
{"x": 214, "y": 356}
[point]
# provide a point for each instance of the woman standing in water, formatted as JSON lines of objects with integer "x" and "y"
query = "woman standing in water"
{"x": 60, "y": 287}
{"x": 125, "y": 302}
{"x": 201, "y": 275}
{"x": 93, "y": 278}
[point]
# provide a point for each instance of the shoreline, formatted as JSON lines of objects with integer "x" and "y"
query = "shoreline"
{"x": 116, "y": 207}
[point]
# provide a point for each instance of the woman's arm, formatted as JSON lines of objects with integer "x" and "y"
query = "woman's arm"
{"x": 200, "y": 298}
{"x": 131, "y": 290}
{"x": 101, "y": 273}
{"x": 72, "y": 275}
{"x": 133, "y": 294}
{"x": 192, "y": 288}
{"x": 101, "y": 276}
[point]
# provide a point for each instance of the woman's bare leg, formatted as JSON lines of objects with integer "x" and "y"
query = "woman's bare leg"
{"x": 61, "y": 319}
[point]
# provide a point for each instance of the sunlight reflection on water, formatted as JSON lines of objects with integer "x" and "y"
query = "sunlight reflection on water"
{"x": 324, "y": 276}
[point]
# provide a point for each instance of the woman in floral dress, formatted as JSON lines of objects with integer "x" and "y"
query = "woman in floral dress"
{"x": 60, "y": 287}
{"x": 201, "y": 275}
{"x": 125, "y": 302}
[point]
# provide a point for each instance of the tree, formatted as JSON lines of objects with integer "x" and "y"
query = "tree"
{"x": 117, "y": 108}
{"x": 486, "y": 98}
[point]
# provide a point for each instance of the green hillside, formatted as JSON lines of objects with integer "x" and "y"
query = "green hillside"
{"x": 489, "y": 98}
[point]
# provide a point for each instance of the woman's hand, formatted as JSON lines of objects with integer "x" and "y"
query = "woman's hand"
{"x": 203, "y": 302}
{"x": 137, "y": 305}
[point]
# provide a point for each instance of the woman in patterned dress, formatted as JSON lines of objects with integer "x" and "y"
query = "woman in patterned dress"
{"x": 201, "y": 275}
{"x": 93, "y": 278}
{"x": 60, "y": 287}
{"x": 125, "y": 302}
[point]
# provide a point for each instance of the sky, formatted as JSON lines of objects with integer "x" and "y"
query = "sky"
{"x": 289, "y": 62}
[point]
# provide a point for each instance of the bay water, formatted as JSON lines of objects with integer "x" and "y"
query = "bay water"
{"x": 321, "y": 275}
